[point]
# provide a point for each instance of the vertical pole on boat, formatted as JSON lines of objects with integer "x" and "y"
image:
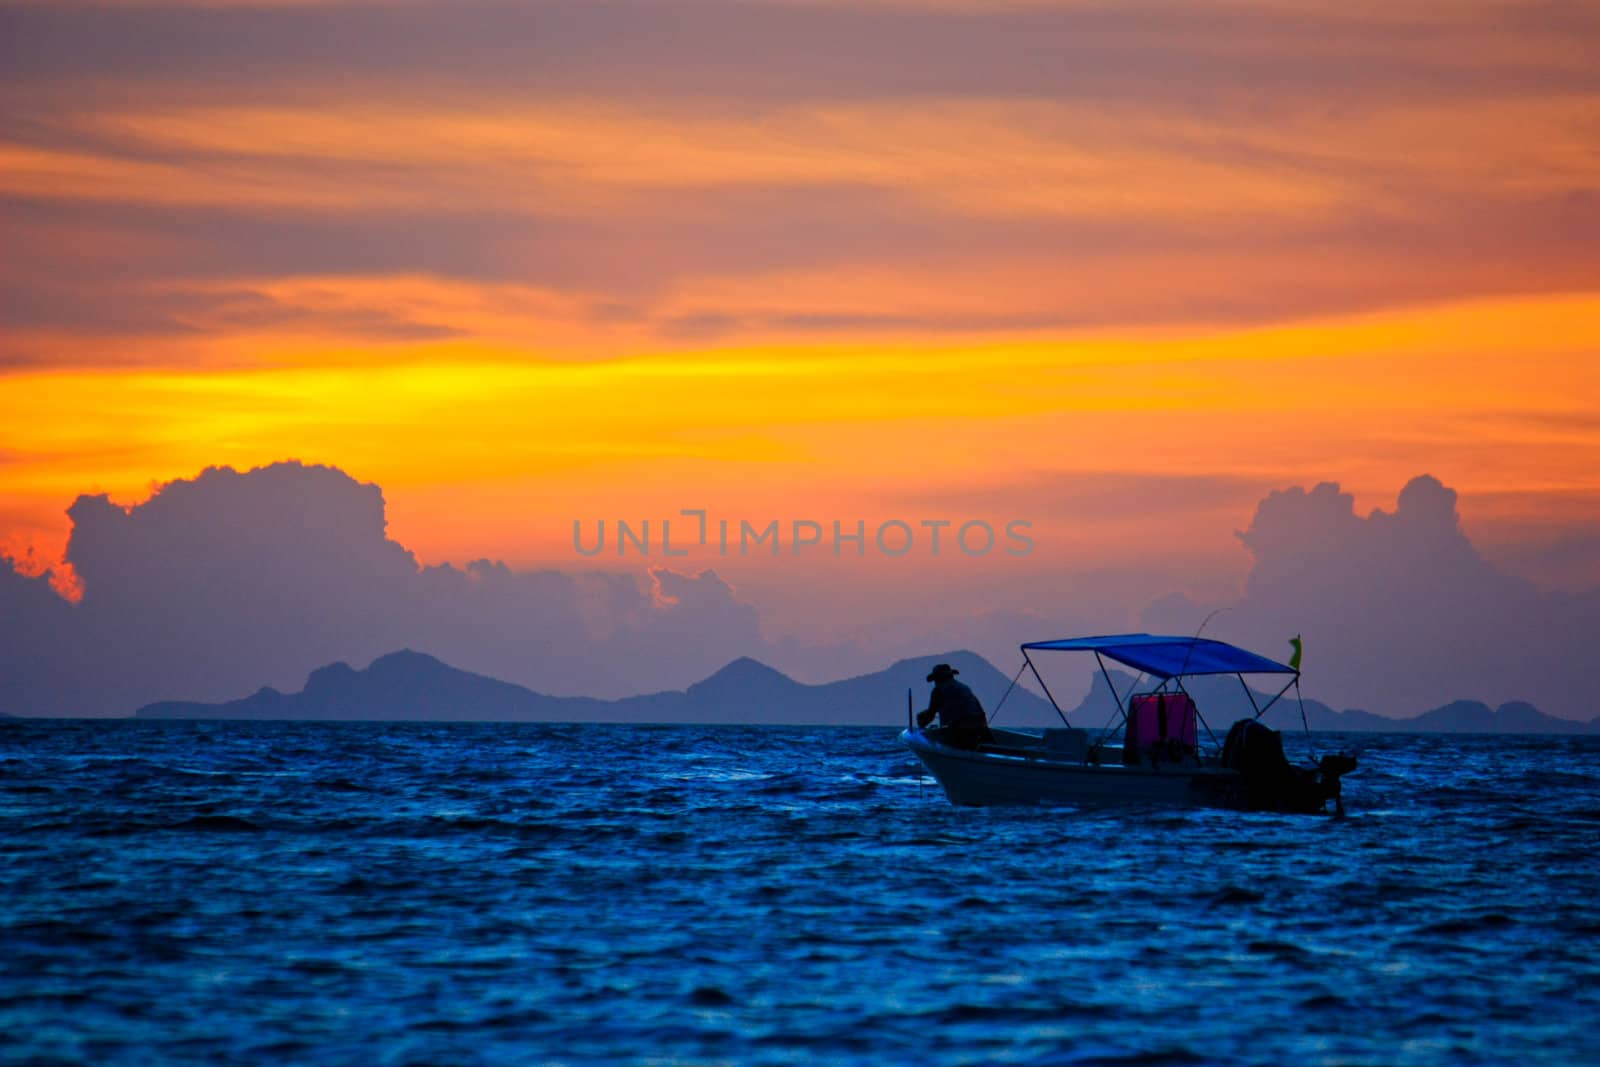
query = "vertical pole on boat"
{"x": 1306, "y": 725}
{"x": 910, "y": 720}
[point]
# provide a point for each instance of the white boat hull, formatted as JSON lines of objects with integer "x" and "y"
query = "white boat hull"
{"x": 992, "y": 778}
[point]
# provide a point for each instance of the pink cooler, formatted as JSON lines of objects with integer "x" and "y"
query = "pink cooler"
{"x": 1157, "y": 717}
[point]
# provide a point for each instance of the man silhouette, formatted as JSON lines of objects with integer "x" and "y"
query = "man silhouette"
{"x": 958, "y": 710}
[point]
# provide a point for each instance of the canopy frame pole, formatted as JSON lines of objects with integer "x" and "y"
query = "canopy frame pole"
{"x": 1120, "y": 705}
{"x": 1007, "y": 693}
{"x": 1248, "y": 695}
{"x": 1209, "y": 732}
{"x": 1048, "y": 695}
{"x": 1122, "y": 712}
{"x": 1112, "y": 687}
{"x": 1293, "y": 683}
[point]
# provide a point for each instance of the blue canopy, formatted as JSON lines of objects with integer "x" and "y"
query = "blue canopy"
{"x": 1169, "y": 657}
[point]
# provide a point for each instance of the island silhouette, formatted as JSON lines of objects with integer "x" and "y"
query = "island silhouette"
{"x": 413, "y": 686}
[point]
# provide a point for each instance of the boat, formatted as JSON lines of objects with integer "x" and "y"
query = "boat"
{"x": 1158, "y": 758}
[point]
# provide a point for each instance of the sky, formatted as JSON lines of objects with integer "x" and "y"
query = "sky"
{"x": 1125, "y": 275}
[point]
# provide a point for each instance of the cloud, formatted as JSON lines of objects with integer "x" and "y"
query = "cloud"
{"x": 811, "y": 265}
{"x": 741, "y": 172}
{"x": 1399, "y": 611}
{"x": 1257, "y": 161}
{"x": 1564, "y": 561}
{"x": 822, "y": 50}
{"x": 140, "y": 309}
{"x": 230, "y": 580}
{"x": 227, "y": 581}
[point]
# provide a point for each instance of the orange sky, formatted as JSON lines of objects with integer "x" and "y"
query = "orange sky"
{"x": 530, "y": 263}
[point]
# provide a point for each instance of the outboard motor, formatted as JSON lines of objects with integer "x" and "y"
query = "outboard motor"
{"x": 1332, "y": 768}
{"x": 1271, "y": 782}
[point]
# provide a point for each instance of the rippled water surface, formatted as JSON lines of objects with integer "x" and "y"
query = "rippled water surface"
{"x": 462, "y": 894}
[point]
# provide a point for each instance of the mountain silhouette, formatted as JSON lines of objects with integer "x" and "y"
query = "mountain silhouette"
{"x": 400, "y": 685}
{"x": 408, "y": 685}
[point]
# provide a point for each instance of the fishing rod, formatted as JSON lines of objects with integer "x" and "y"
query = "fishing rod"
{"x": 1203, "y": 624}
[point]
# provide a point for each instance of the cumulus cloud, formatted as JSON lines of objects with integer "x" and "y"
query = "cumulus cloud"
{"x": 1399, "y": 611}
{"x": 231, "y": 580}
{"x": 228, "y": 581}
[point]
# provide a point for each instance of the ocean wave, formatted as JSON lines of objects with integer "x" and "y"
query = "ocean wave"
{"x": 613, "y": 894}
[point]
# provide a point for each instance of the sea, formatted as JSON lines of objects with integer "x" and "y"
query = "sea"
{"x": 388, "y": 893}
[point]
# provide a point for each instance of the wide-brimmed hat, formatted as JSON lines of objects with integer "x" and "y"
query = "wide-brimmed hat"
{"x": 943, "y": 670}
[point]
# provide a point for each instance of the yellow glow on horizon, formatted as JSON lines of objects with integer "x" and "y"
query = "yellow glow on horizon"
{"x": 924, "y": 415}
